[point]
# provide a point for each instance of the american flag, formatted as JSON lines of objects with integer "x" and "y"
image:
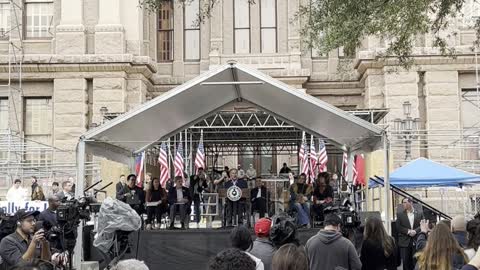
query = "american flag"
{"x": 301, "y": 154}
{"x": 139, "y": 164}
{"x": 304, "y": 156}
{"x": 345, "y": 166}
{"x": 179, "y": 163}
{"x": 163, "y": 160}
{"x": 322, "y": 156}
{"x": 313, "y": 160}
{"x": 355, "y": 172}
{"x": 200, "y": 156}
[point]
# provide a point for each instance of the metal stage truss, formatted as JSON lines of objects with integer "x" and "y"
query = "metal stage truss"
{"x": 253, "y": 131}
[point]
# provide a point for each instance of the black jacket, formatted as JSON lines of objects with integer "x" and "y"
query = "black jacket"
{"x": 403, "y": 225}
{"x": 172, "y": 195}
{"x": 194, "y": 179}
{"x": 254, "y": 193}
{"x": 373, "y": 257}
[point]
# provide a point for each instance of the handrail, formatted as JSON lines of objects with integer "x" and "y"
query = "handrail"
{"x": 401, "y": 192}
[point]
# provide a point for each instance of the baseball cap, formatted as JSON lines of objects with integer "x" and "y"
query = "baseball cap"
{"x": 23, "y": 213}
{"x": 262, "y": 227}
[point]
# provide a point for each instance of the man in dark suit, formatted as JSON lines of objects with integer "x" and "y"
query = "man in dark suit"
{"x": 120, "y": 187}
{"x": 258, "y": 197}
{"x": 408, "y": 227}
{"x": 179, "y": 200}
{"x": 237, "y": 208}
{"x": 198, "y": 183}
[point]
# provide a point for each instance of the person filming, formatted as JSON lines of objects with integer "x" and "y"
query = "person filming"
{"x": 133, "y": 195}
{"x": 24, "y": 245}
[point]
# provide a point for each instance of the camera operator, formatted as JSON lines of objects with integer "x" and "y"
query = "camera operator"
{"x": 24, "y": 244}
{"x": 330, "y": 250}
{"x": 133, "y": 195}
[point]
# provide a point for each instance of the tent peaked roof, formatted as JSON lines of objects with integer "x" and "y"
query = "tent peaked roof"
{"x": 425, "y": 172}
{"x": 208, "y": 93}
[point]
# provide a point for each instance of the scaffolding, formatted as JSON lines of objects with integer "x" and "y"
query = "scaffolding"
{"x": 20, "y": 157}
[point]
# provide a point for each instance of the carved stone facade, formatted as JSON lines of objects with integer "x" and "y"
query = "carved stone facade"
{"x": 103, "y": 54}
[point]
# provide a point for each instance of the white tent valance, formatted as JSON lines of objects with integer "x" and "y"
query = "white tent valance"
{"x": 191, "y": 102}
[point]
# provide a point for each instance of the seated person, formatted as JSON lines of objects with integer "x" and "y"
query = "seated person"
{"x": 179, "y": 200}
{"x": 133, "y": 195}
{"x": 322, "y": 194}
{"x": 155, "y": 193}
{"x": 300, "y": 193}
{"x": 258, "y": 197}
{"x": 24, "y": 245}
{"x": 235, "y": 209}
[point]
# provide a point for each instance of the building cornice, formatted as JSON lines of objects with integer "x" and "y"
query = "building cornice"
{"x": 84, "y": 63}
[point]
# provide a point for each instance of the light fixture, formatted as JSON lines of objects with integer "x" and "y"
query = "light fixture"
{"x": 407, "y": 108}
{"x": 397, "y": 124}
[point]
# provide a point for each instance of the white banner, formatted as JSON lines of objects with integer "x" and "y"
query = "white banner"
{"x": 11, "y": 207}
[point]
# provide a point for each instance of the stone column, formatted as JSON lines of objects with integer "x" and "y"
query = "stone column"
{"x": 401, "y": 86}
{"x": 109, "y": 93}
{"x": 136, "y": 93}
{"x": 70, "y": 101}
{"x": 294, "y": 35}
{"x": 70, "y": 33}
{"x": 109, "y": 32}
{"x": 374, "y": 85}
{"x": 178, "y": 52}
{"x": 132, "y": 20}
{"x": 216, "y": 34}
{"x": 443, "y": 114}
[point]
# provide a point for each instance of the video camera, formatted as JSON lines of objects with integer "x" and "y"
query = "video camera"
{"x": 350, "y": 218}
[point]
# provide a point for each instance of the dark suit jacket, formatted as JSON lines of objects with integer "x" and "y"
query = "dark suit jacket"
{"x": 193, "y": 181}
{"x": 172, "y": 195}
{"x": 254, "y": 193}
{"x": 240, "y": 183}
{"x": 403, "y": 225}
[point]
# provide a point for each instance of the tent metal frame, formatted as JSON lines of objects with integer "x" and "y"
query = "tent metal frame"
{"x": 318, "y": 118}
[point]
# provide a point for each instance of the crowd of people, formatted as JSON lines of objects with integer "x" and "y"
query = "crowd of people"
{"x": 443, "y": 246}
{"x": 36, "y": 192}
{"x": 179, "y": 194}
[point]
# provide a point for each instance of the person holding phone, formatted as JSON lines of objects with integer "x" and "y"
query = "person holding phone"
{"x": 24, "y": 245}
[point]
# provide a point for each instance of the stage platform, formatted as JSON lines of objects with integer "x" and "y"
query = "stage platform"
{"x": 183, "y": 249}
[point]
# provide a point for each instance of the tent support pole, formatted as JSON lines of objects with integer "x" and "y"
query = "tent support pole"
{"x": 387, "y": 199}
{"x": 79, "y": 187}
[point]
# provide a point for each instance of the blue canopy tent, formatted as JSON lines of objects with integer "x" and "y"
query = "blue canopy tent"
{"x": 423, "y": 172}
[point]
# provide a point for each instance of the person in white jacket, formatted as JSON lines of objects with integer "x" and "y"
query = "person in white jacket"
{"x": 16, "y": 193}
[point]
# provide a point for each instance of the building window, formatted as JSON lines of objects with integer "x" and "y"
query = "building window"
{"x": 268, "y": 25}
{"x": 192, "y": 31}
{"x": 316, "y": 54}
{"x": 470, "y": 12}
{"x": 470, "y": 129}
{"x": 165, "y": 32}
{"x": 38, "y": 130}
{"x": 241, "y": 27}
{"x": 4, "y": 20}
{"x": 39, "y": 19}
{"x": 3, "y": 114}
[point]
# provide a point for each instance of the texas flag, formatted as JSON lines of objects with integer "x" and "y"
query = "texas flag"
{"x": 139, "y": 164}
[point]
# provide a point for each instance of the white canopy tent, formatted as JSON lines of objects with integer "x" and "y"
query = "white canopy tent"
{"x": 185, "y": 105}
